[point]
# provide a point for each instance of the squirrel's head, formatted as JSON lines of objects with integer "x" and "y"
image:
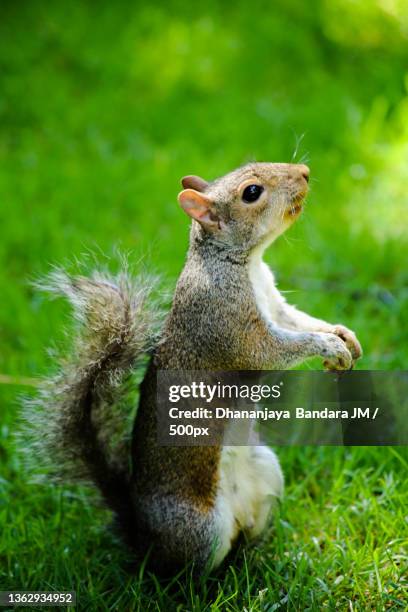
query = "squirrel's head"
{"x": 248, "y": 207}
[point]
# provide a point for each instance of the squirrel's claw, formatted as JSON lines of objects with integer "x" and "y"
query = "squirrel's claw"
{"x": 350, "y": 340}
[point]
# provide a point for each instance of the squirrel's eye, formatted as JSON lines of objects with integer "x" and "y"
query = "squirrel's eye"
{"x": 252, "y": 193}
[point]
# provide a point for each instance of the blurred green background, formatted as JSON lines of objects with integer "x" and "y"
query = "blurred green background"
{"x": 104, "y": 106}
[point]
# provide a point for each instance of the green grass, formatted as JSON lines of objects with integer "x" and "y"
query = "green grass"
{"x": 102, "y": 109}
{"x": 339, "y": 539}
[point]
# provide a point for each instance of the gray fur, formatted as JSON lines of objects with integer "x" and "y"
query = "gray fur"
{"x": 166, "y": 501}
{"x": 114, "y": 324}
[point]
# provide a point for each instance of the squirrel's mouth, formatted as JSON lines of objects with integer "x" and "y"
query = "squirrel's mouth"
{"x": 296, "y": 204}
{"x": 294, "y": 210}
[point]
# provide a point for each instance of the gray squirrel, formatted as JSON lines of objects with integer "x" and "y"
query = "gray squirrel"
{"x": 189, "y": 504}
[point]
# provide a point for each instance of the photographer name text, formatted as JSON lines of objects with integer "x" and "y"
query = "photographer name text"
{"x": 266, "y": 414}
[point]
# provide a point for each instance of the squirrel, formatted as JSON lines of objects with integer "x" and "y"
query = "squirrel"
{"x": 189, "y": 504}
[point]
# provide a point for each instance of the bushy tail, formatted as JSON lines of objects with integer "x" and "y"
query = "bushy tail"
{"x": 75, "y": 417}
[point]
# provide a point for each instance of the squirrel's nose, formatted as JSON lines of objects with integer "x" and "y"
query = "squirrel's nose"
{"x": 304, "y": 171}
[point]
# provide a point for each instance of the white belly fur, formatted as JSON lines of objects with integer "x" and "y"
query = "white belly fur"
{"x": 250, "y": 481}
{"x": 267, "y": 297}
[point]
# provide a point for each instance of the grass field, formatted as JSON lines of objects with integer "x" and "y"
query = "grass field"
{"x": 103, "y": 107}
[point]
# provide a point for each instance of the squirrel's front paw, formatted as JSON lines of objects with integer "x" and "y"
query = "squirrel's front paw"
{"x": 335, "y": 353}
{"x": 350, "y": 340}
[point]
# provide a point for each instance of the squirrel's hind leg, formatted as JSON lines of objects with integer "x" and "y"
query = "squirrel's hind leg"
{"x": 176, "y": 533}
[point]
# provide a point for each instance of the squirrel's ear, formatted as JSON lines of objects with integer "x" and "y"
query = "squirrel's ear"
{"x": 199, "y": 207}
{"x": 194, "y": 182}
